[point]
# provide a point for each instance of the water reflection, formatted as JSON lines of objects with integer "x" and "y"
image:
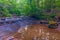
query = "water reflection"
{"x": 33, "y": 32}
{"x": 38, "y": 32}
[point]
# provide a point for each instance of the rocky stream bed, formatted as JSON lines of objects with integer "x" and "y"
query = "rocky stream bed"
{"x": 10, "y": 26}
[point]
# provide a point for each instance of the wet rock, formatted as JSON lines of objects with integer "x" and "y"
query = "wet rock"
{"x": 53, "y": 26}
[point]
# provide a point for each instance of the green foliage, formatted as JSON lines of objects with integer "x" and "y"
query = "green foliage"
{"x": 43, "y": 16}
{"x": 32, "y": 8}
{"x": 6, "y": 13}
{"x": 9, "y": 7}
{"x": 52, "y": 15}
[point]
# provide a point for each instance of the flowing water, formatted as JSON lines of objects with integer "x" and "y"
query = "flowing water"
{"x": 25, "y": 30}
{"x": 38, "y": 32}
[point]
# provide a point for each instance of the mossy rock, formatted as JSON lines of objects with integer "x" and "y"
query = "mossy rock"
{"x": 53, "y": 26}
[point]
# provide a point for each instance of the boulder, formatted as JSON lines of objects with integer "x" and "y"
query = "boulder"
{"x": 53, "y": 26}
